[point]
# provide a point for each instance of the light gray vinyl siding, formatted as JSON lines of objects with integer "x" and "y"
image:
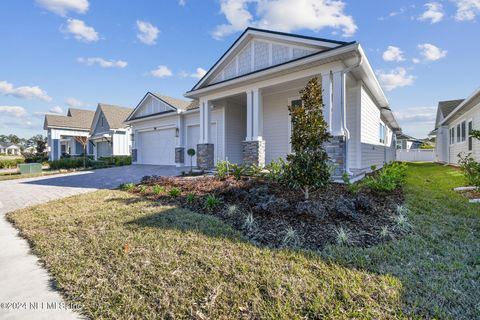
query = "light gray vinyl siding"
{"x": 454, "y": 149}
{"x": 276, "y": 124}
{"x": 235, "y": 124}
{"x": 373, "y": 152}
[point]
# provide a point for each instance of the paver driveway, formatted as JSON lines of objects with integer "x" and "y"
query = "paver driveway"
{"x": 22, "y": 278}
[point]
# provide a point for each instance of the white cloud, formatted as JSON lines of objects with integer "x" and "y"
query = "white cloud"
{"x": 416, "y": 60}
{"x": 182, "y": 3}
{"x": 467, "y": 9}
{"x": 13, "y": 111}
{"x": 56, "y": 110}
{"x": 395, "y": 78}
{"x": 200, "y": 72}
{"x": 419, "y": 114}
{"x": 417, "y": 121}
{"x": 103, "y": 62}
{"x": 24, "y": 92}
{"x": 161, "y": 72}
{"x": 147, "y": 33}
{"x": 81, "y": 31}
{"x": 62, "y": 7}
{"x": 73, "y": 102}
{"x": 431, "y": 52}
{"x": 278, "y": 15}
{"x": 433, "y": 13}
{"x": 393, "y": 54}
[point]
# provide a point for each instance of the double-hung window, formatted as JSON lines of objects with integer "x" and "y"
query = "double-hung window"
{"x": 452, "y": 135}
{"x": 463, "y": 126}
{"x": 381, "y": 133}
{"x": 470, "y": 138}
{"x": 458, "y": 133}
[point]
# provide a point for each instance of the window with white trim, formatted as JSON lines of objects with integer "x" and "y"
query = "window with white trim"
{"x": 381, "y": 133}
{"x": 452, "y": 135}
{"x": 470, "y": 138}
{"x": 458, "y": 133}
{"x": 463, "y": 127}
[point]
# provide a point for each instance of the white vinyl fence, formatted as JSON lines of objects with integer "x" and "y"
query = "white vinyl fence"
{"x": 416, "y": 155}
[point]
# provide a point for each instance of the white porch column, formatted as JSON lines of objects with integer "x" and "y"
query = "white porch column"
{"x": 205, "y": 119}
{"x": 254, "y": 115}
{"x": 254, "y": 145}
{"x": 337, "y": 104}
{"x": 327, "y": 98}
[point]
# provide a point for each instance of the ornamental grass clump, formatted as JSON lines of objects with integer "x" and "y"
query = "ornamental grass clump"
{"x": 156, "y": 189}
{"x": 174, "y": 192}
{"x": 212, "y": 201}
{"x": 127, "y": 186}
{"x": 190, "y": 197}
{"x": 308, "y": 167}
{"x": 343, "y": 237}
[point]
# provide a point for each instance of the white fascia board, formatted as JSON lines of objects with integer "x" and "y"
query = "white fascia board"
{"x": 460, "y": 106}
{"x": 164, "y": 115}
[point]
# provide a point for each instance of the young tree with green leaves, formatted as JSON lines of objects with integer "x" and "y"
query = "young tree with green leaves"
{"x": 307, "y": 167}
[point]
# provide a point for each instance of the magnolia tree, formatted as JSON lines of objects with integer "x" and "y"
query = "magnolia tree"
{"x": 308, "y": 164}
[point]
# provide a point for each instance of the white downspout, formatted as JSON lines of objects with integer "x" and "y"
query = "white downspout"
{"x": 344, "y": 111}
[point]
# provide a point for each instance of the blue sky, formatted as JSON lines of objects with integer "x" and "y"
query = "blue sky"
{"x": 61, "y": 53}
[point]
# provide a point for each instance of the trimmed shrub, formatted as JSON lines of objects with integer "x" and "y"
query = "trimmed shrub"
{"x": 117, "y": 160}
{"x": 470, "y": 169}
{"x": 10, "y": 163}
{"x": 389, "y": 178}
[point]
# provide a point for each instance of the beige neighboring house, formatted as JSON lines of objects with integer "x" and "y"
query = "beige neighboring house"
{"x": 13, "y": 149}
{"x": 455, "y": 120}
{"x": 2, "y": 149}
{"x": 242, "y": 114}
{"x": 109, "y": 134}
{"x": 61, "y": 131}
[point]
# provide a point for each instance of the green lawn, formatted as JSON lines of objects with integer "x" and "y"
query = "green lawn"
{"x": 16, "y": 175}
{"x": 121, "y": 256}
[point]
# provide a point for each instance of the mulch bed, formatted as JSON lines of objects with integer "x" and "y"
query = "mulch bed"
{"x": 276, "y": 209}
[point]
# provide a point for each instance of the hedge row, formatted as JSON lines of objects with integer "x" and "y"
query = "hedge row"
{"x": 10, "y": 163}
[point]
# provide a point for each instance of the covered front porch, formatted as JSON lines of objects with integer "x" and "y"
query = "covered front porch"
{"x": 257, "y": 121}
{"x": 62, "y": 143}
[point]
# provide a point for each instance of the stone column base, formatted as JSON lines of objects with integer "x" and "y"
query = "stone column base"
{"x": 205, "y": 155}
{"x": 254, "y": 152}
{"x": 179, "y": 155}
{"x": 335, "y": 149}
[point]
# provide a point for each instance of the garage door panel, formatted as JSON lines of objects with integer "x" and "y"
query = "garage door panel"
{"x": 157, "y": 147}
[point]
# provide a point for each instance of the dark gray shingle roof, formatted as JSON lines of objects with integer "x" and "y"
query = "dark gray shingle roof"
{"x": 446, "y": 107}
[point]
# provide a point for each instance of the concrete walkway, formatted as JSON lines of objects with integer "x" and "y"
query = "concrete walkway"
{"x": 25, "y": 286}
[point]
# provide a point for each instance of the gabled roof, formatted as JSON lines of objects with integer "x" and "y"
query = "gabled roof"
{"x": 446, "y": 107}
{"x": 115, "y": 115}
{"x": 75, "y": 119}
{"x": 174, "y": 104}
{"x": 469, "y": 102}
{"x": 320, "y": 44}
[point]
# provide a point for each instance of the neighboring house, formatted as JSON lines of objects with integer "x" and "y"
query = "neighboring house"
{"x": 455, "y": 120}
{"x": 406, "y": 142}
{"x": 109, "y": 133}
{"x": 242, "y": 112}
{"x": 3, "y": 149}
{"x": 13, "y": 149}
{"x": 62, "y": 130}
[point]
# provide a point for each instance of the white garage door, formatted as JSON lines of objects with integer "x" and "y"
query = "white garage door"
{"x": 193, "y": 136}
{"x": 157, "y": 147}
